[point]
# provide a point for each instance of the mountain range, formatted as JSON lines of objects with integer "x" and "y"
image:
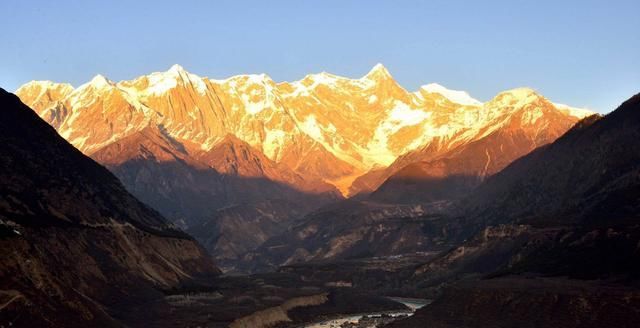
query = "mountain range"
{"x": 79, "y": 250}
{"x": 524, "y": 216}
{"x": 193, "y": 148}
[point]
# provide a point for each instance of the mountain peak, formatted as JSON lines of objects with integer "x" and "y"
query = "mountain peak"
{"x": 176, "y": 68}
{"x": 517, "y": 97}
{"x": 460, "y": 97}
{"x": 100, "y": 81}
{"x": 41, "y": 83}
{"x": 378, "y": 72}
{"x": 521, "y": 92}
{"x": 574, "y": 111}
{"x": 176, "y": 71}
{"x": 176, "y": 75}
{"x": 45, "y": 84}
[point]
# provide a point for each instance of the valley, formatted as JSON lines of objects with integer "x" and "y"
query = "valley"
{"x": 533, "y": 204}
{"x": 320, "y": 164}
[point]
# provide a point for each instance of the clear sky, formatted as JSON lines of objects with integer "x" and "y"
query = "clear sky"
{"x": 583, "y": 53}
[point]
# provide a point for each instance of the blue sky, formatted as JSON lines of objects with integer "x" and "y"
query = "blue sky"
{"x": 583, "y": 53}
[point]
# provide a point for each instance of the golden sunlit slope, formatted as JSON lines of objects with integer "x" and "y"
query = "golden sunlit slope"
{"x": 528, "y": 122}
{"x": 323, "y": 127}
{"x": 515, "y": 122}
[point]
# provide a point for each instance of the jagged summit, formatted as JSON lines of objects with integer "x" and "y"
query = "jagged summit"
{"x": 378, "y": 72}
{"x": 252, "y": 78}
{"x": 460, "y": 97}
{"x": 517, "y": 97}
{"x": 100, "y": 81}
{"x": 161, "y": 82}
{"x": 44, "y": 84}
{"x": 179, "y": 72}
{"x": 45, "y": 92}
{"x": 574, "y": 111}
{"x": 353, "y": 125}
{"x": 519, "y": 93}
{"x": 177, "y": 68}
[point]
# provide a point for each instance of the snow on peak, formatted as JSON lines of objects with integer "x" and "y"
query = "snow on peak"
{"x": 378, "y": 72}
{"x": 270, "y": 118}
{"x": 378, "y": 67}
{"x": 176, "y": 71}
{"x": 161, "y": 82}
{"x": 520, "y": 93}
{"x": 45, "y": 85}
{"x": 522, "y": 90}
{"x": 573, "y": 111}
{"x": 100, "y": 82}
{"x": 176, "y": 68}
{"x": 460, "y": 97}
{"x": 517, "y": 97}
{"x": 259, "y": 78}
{"x": 34, "y": 83}
{"x": 520, "y": 97}
{"x": 323, "y": 78}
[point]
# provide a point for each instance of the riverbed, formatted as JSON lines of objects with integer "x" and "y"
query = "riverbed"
{"x": 373, "y": 319}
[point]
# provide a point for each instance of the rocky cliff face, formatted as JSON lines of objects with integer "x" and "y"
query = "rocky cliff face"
{"x": 77, "y": 246}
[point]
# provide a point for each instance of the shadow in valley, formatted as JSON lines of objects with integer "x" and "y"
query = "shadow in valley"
{"x": 426, "y": 189}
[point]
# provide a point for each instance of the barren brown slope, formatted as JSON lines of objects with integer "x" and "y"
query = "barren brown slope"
{"x": 77, "y": 246}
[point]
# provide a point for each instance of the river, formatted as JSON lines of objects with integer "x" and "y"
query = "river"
{"x": 372, "y": 319}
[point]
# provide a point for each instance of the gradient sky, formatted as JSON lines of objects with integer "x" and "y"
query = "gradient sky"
{"x": 582, "y": 53}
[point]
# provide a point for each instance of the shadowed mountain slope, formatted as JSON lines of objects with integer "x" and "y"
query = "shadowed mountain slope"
{"x": 560, "y": 227}
{"x": 77, "y": 246}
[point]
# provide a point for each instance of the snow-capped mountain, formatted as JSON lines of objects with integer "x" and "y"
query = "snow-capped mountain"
{"x": 520, "y": 121}
{"x": 209, "y": 154}
{"x": 324, "y": 127}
